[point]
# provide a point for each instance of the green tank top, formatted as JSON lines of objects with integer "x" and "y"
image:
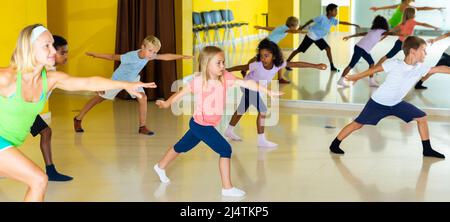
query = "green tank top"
{"x": 396, "y": 17}
{"x": 17, "y": 116}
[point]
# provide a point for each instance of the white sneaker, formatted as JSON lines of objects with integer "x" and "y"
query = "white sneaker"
{"x": 161, "y": 174}
{"x": 230, "y": 135}
{"x": 341, "y": 83}
{"x": 233, "y": 192}
{"x": 266, "y": 144}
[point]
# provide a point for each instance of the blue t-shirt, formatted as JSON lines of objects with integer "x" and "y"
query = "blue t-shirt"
{"x": 130, "y": 66}
{"x": 278, "y": 33}
{"x": 322, "y": 26}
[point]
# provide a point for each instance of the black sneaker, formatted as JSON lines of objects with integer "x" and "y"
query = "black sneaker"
{"x": 334, "y": 69}
{"x": 420, "y": 86}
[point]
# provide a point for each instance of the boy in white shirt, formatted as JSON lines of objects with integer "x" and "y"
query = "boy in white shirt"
{"x": 401, "y": 76}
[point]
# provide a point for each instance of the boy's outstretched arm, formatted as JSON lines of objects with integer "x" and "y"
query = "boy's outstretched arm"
{"x": 296, "y": 31}
{"x": 348, "y": 23}
{"x": 369, "y": 72}
{"x": 437, "y": 69}
{"x": 264, "y": 28}
{"x": 169, "y": 57}
{"x": 306, "y": 24}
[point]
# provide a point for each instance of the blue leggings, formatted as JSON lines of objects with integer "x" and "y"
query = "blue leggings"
{"x": 253, "y": 98}
{"x": 397, "y": 48}
{"x": 357, "y": 54}
{"x": 207, "y": 134}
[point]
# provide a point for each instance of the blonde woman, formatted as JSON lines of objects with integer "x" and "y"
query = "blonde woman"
{"x": 24, "y": 87}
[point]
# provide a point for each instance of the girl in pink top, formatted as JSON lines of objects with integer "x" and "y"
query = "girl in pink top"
{"x": 209, "y": 89}
{"x": 406, "y": 28}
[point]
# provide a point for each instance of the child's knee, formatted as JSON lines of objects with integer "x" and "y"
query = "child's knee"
{"x": 47, "y": 132}
{"x": 357, "y": 125}
{"x": 39, "y": 180}
{"x": 143, "y": 96}
{"x": 180, "y": 149}
{"x": 422, "y": 119}
{"x": 225, "y": 152}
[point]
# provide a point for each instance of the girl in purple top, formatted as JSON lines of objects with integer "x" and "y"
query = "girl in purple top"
{"x": 269, "y": 61}
{"x": 378, "y": 32}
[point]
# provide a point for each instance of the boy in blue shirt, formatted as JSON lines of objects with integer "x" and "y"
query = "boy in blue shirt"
{"x": 318, "y": 31}
{"x": 131, "y": 64}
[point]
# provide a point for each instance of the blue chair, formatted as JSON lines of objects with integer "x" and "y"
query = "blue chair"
{"x": 228, "y": 17}
{"x": 208, "y": 24}
{"x": 197, "y": 25}
{"x": 218, "y": 25}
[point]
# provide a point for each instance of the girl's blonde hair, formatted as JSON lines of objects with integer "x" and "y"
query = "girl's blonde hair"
{"x": 23, "y": 59}
{"x": 152, "y": 41}
{"x": 205, "y": 57}
{"x": 408, "y": 14}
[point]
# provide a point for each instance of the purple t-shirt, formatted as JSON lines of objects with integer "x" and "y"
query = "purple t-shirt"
{"x": 371, "y": 39}
{"x": 260, "y": 74}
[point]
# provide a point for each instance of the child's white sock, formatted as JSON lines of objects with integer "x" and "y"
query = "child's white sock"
{"x": 262, "y": 141}
{"x": 341, "y": 83}
{"x": 233, "y": 192}
{"x": 161, "y": 173}
{"x": 230, "y": 133}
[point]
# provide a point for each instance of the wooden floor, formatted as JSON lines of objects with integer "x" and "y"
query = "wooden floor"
{"x": 111, "y": 162}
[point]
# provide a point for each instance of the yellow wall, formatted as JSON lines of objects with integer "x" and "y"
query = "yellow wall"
{"x": 343, "y": 15}
{"x": 14, "y": 16}
{"x": 183, "y": 29}
{"x": 279, "y": 11}
{"x": 243, "y": 10}
{"x": 87, "y": 26}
